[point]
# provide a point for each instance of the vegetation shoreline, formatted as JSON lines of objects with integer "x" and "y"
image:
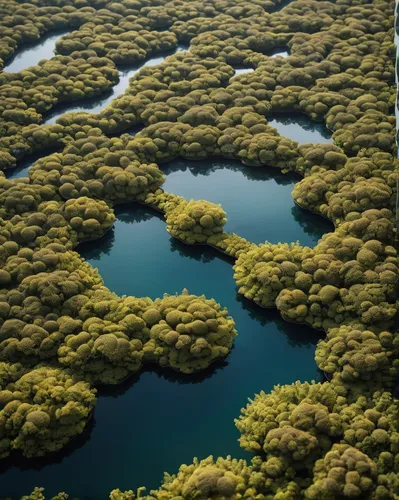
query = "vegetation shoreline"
{"x": 62, "y": 332}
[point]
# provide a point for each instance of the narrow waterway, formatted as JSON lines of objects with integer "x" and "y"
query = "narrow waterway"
{"x": 31, "y": 54}
{"x": 96, "y": 104}
{"x": 297, "y": 127}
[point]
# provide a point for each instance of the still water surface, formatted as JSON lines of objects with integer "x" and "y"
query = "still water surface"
{"x": 301, "y": 128}
{"x": 158, "y": 420}
{"x": 257, "y": 200}
{"x": 32, "y": 54}
{"x": 96, "y": 104}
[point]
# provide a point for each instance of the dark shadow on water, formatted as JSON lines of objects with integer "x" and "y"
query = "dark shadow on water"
{"x": 96, "y": 249}
{"x": 82, "y": 105}
{"x": 97, "y": 104}
{"x": 173, "y": 376}
{"x": 207, "y": 166}
{"x": 200, "y": 253}
{"x": 22, "y": 463}
{"x": 283, "y": 4}
{"x": 297, "y": 335}
{"x": 128, "y": 213}
{"x": 21, "y": 170}
{"x": 132, "y": 213}
{"x": 133, "y": 130}
{"x": 312, "y": 224}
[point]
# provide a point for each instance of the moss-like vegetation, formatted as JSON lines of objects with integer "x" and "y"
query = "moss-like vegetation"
{"x": 62, "y": 332}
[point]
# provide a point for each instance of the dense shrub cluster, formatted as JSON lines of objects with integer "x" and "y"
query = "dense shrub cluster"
{"x": 62, "y": 331}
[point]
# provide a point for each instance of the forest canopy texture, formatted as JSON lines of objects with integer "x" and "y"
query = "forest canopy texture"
{"x": 62, "y": 332}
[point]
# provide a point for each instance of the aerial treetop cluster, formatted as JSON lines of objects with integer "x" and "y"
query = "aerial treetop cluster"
{"x": 62, "y": 332}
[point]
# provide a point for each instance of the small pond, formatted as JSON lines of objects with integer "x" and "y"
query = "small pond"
{"x": 257, "y": 200}
{"x": 301, "y": 128}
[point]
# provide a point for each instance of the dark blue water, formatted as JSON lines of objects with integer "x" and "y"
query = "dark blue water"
{"x": 159, "y": 420}
{"x": 31, "y": 54}
{"x": 257, "y": 200}
{"x": 22, "y": 168}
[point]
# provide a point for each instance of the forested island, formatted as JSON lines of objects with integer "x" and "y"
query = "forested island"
{"x": 198, "y": 247}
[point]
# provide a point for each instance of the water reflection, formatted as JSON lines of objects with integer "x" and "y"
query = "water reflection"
{"x": 297, "y": 335}
{"x": 22, "y": 168}
{"x": 209, "y": 166}
{"x": 310, "y": 222}
{"x": 37, "y": 464}
{"x": 31, "y": 54}
{"x": 257, "y": 200}
{"x": 168, "y": 374}
{"x": 201, "y": 253}
{"x": 301, "y": 128}
{"x": 158, "y": 419}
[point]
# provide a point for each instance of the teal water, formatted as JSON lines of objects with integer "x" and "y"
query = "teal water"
{"x": 31, "y": 54}
{"x": 257, "y": 200}
{"x": 301, "y": 128}
{"x": 158, "y": 419}
{"x": 22, "y": 168}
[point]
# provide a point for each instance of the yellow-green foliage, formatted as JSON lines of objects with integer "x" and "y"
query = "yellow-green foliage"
{"x": 312, "y": 408}
{"x": 115, "y": 337}
{"x": 98, "y": 167}
{"x": 344, "y": 472}
{"x": 265, "y": 270}
{"x": 42, "y": 410}
{"x": 351, "y": 274}
{"x": 195, "y": 221}
{"x": 223, "y": 479}
{"x": 359, "y": 355}
{"x": 294, "y": 425}
{"x": 61, "y": 329}
{"x": 190, "y": 333}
